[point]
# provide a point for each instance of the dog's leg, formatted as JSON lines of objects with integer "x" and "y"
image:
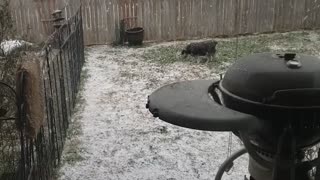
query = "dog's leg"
{"x": 208, "y": 56}
{"x": 208, "y": 60}
{"x": 212, "y": 56}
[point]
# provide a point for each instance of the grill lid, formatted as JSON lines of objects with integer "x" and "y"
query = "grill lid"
{"x": 284, "y": 79}
{"x": 188, "y": 104}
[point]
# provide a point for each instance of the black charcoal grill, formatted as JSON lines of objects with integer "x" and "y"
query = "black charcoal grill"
{"x": 270, "y": 101}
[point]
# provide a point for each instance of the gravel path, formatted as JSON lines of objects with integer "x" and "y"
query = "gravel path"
{"x": 113, "y": 136}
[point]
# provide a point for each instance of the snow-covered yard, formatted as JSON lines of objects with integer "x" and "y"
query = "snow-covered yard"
{"x": 113, "y": 136}
{"x": 120, "y": 139}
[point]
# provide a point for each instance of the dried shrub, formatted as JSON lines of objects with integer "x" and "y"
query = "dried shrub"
{"x": 33, "y": 93}
{"x": 6, "y": 23}
{"x": 7, "y": 63}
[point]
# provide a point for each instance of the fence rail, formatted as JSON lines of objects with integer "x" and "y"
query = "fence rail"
{"x": 177, "y": 19}
{"x": 32, "y": 158}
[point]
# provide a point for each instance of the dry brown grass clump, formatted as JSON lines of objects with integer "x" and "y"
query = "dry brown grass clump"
{"x": 33, "y": 93}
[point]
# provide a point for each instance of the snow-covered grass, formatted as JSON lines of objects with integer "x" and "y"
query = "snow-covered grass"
{"x": 113, "y": 136}
{"x": 299, "y": 42}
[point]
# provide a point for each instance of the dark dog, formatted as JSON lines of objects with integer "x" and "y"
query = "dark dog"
{"x": 204, "y": 48}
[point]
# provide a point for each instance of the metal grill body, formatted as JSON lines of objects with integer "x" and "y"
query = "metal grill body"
{"x": 270, "y": 101}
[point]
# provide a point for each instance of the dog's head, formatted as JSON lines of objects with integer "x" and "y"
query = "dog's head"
{"x": 214, "y": 43}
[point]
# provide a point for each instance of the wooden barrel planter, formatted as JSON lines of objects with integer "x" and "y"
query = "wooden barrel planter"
{"x": 135, "y": 36}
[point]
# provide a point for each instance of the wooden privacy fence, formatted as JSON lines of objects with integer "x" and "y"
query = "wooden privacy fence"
{"x": 187, "y": 19}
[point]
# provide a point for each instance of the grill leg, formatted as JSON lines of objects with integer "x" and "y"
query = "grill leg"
{"x": 284, "y": 167}
{"x": 317, "y": 177}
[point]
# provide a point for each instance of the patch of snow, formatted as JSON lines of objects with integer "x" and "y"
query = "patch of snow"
{"x": 121, "y": 140}
{"x": 277, "y": 48}
{"x": 226, "y": 64}
{"x": 11, "y": 45}
{"x": 314, "y": 36}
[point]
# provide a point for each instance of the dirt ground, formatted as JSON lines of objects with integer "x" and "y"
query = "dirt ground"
{"x": 113, "y": 136}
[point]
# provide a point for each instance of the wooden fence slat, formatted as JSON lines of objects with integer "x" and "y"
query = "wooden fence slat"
{"x": 317, "y": 19}
{"x": 221, "y": 17}
{"x": 207, "y": 18}
{"x": 213, "y": 14}
{"x": 174, "y": 19}
{"x": 164, "y": 19}
{"x": 85, "y": 22}
{"x": 183, "y": 18}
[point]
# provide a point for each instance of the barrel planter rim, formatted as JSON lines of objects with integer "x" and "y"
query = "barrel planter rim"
{"x": 134, "y": 30}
